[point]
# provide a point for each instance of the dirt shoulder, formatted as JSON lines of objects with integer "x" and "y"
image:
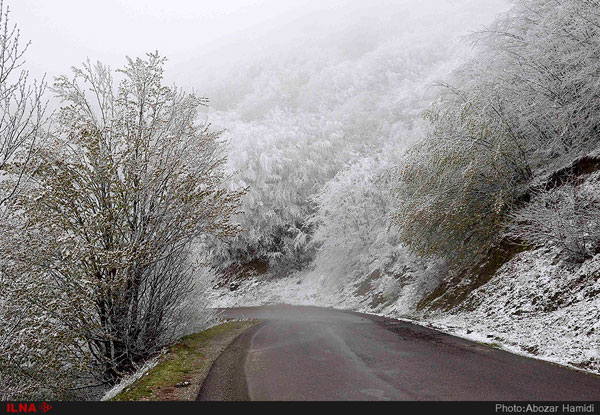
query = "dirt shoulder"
{"x": 179, "y": 374}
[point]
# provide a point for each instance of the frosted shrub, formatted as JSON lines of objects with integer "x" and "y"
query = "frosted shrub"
{"x": 455, "y": 185}
{"x": 567, "y": 217}
{"x": 124, "y": 187}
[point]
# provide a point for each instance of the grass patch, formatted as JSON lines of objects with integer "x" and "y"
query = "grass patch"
{"x": 188, "y": 360}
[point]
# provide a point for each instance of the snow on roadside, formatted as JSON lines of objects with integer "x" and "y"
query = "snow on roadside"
{"x": 259, "y": 290}
{"x": 536, "y": 305}
{"x": 129, "y": 380}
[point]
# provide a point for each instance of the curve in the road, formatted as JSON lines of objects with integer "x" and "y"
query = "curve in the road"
{"x": 310, "y": 353}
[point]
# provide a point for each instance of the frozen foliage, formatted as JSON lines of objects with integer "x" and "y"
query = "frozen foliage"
{"x": 296, "y": 117}
{"x": 455, "y": 185}
{"x": 523, "y": 105}
{"x": 359, "y": 258}
{"x": 99, "y": 268}
{"x": 126, "y": 185}
{"x": 567, "y": 217}
{"x": 282, "y": 160}
{"x": 22, "y": 119}
{"x": 539, "y": 69}
{"x": 351, "y": 222}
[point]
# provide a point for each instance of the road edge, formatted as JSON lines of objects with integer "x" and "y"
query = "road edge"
{"x": 226, "y": 379}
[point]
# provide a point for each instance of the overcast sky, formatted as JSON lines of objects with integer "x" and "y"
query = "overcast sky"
{"x": 65, "y": 32}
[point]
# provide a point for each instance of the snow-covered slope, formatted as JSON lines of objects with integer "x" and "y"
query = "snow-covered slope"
{"x": 536, "y": 304}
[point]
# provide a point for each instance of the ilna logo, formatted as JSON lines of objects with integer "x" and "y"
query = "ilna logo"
{"x": 27, "y": 407}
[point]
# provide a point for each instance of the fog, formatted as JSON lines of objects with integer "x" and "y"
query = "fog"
{"x": 65, "y": 32}
{"x": 203, "y": 37}
{"x": 315, "y": 98}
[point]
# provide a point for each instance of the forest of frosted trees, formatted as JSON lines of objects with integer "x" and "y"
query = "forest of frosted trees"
{"x": 385, "y": 146}
{"x": 439, "y": 164}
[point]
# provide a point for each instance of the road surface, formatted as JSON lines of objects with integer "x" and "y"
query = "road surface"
{"x": 310, "y": 353}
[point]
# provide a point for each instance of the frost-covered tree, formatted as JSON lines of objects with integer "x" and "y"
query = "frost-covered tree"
{"x": 541, "y": 60}
{"x": 352, "y": 235}
{"x": 567, "y": 217}
{"x": 353, "y": 214}
{"x": 123, "y": 188}
{"x": 456, "y": 185}
{"x": 282, "y": 162}
{"x": 525, "y": 104}
{"x": 22, "y": 117}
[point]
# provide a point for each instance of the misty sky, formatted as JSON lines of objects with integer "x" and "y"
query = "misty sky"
{"x": 66, "y": 32}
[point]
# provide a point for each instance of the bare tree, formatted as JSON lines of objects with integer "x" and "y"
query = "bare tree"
{"x": 21, "y": 108}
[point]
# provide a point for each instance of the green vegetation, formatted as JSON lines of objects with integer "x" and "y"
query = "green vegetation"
{"x": 188, "y": 360}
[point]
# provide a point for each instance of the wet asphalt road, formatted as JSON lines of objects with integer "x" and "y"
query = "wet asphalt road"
{"x": 309, "y": 353}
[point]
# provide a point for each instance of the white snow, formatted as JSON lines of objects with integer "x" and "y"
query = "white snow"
{"x": 129, "y": 380}
{"x": 536, "y": 305}
{"x": 539, "y": 306}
